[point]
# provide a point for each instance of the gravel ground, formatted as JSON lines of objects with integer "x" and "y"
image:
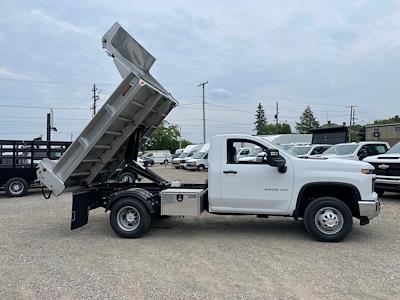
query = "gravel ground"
{"x": 211, "y": 257}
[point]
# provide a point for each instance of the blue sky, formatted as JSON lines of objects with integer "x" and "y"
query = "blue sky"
{"x": 326, "y": 54}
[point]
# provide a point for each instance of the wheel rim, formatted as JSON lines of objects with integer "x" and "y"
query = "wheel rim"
{"x": 16, "y": 187}
{"x": 127, "y": 179}
{"x": 128, "y": 218}
{"x": 329, "y": 220}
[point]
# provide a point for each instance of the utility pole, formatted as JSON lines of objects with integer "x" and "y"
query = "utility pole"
{"x": 352, "y": 120}
{"x": 48, "y": 133}
{"x": 204, "y": 111}
{"x": 95, "y": 98}
{"x": 180, "y": 137}
{"x": 276, "y": 117}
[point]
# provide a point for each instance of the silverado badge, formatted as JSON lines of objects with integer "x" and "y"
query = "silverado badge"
{"x": 383, "y": 167}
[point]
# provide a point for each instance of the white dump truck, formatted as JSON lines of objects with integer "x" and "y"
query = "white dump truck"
{"x": 327, "y": 194}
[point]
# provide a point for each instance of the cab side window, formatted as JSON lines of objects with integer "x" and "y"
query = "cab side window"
{"x": 232, "y": 155}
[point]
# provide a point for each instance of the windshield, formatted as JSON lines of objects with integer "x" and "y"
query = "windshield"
{"x": 395, "y": 149}
{"x": 300, "y": 150}
{"x": 342, "y": 149}
{"x": 199, "y": 155}
{"x": 183, "y": 155}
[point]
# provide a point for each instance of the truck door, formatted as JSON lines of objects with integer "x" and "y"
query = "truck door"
{"x": 249, "y": 186}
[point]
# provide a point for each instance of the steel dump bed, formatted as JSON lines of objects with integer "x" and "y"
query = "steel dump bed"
{"x": 138, "y": 104}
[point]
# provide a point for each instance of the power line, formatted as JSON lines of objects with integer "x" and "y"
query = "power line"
{"x": 42, "y": 107}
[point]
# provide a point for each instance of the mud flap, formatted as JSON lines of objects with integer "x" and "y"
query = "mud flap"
{"x": 81, "y": 204}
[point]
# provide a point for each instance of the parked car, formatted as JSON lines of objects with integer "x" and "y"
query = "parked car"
{"x": 158, "y": 156}
{"x": 308, "y": 150}
{"x": 199, "y": 160}
{"x": 187, "y": 152}
{"x": 146, "y": 161}
{"x": 356, "y": 151}
{"x": 242, "y": 152}
{"x": 177, "y": 153}
{"x": 252, "y": 154}
{"x": 387, "y": 170}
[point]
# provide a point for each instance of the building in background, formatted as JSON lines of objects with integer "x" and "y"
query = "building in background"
{"x": 384, "y": 132}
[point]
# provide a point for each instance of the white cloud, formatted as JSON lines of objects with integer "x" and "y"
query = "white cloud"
{"x": 7, "y": 74}
{"x": 61, "y": 25}
{"x": 220, "y": 92}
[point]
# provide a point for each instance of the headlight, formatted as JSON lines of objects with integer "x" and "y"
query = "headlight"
{"x": 367, "y": 171}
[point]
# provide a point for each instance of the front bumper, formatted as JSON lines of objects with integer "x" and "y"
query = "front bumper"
{"x": 190, "y": 167}
{"x": 369, "y": 208}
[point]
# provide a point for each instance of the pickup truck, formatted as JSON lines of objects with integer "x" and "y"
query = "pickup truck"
{"x": 387, "y": 169}
{"x": 327, "y": 194}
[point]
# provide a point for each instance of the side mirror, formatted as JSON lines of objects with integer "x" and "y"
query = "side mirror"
{"x": 275, "y": 160}
{"x": 362, "y": 154}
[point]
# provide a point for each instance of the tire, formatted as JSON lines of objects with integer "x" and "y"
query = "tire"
{"x": 127, "y": 177}
{"x": 379, "y": 192}
{"x": 328, "y": 219}
{"x": 165, "y": 162}
{"x": 145, "y": 164}
{"x": 176, "y": 167}
{"x": 16, "y": 187}
{"x": 137, "y": 211}
{"x": 201, "y": 168}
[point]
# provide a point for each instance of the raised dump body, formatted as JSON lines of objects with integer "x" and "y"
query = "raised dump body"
{"x": 136, "y": 107}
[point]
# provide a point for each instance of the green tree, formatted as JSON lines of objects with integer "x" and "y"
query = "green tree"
{"x": 280, "y": 128}
{"x": 165, "y": 137}
{"x": 307, "y": 121}
{"x": 358, "y": 133}
{"x": 261, "y": 119}
{"x": 395, "y": 119}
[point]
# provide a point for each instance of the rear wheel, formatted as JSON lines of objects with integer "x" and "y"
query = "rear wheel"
{"x": 328, "y": 219}
{"x": 130, "y": 218}
{"x": 166, "y": 162}
{"x": 16, "y": 187}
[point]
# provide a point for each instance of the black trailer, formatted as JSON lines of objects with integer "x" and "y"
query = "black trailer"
{"x": 18, "y": 161}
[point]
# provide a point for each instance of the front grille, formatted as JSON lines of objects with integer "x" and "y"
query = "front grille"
{"x": 387, "y": 169}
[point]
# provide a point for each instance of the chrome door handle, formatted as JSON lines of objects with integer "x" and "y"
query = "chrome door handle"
{"x": 230, "y": 172}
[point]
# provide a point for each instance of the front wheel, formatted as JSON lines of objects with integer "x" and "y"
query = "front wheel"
{"x": 328, "y": 219}
{"x": 201, "y": 168}
{"x": 130, "y": 218}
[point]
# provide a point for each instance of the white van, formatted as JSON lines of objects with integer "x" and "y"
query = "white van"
{"x": 199, "y": 160}
{"x": 159, "y": 156}
{"x": 187, "y": 152}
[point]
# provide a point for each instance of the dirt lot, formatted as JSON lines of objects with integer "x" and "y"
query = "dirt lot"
{"x": 211, "y": 257}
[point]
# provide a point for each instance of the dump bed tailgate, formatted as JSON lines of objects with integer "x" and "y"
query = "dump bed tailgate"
{"x": 139, "y": 103}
